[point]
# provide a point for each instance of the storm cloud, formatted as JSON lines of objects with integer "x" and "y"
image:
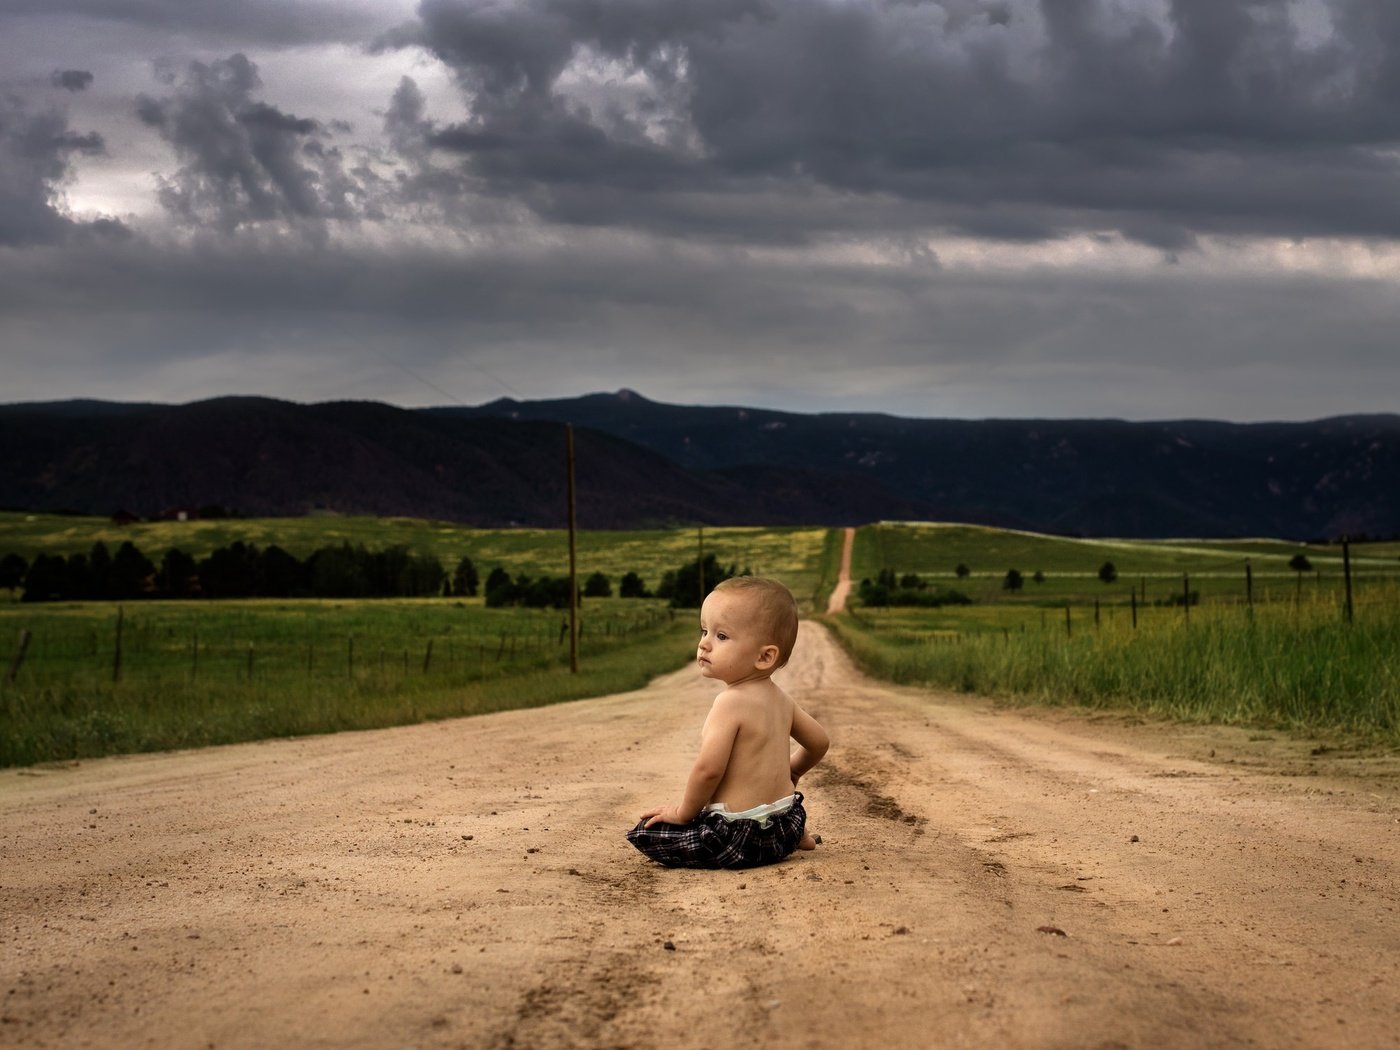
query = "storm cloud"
{"x": 1016, "y": 120}
{"x": 72, "y": 79}
{"x": 1144, "y": 208}
{"x": 243, "y": 161}
{"x": 36, "y": 151}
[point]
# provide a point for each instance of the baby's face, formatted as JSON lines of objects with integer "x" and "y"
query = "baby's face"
{"x": 732, "y": 639}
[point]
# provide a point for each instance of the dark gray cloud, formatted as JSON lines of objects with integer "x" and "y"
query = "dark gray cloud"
{"x": 36, "y": 151}
{"x": 72, "y": 79}
{"x": 1000, "y": 119}
{"x": 308, "y": 322}
{"x": 243, "y": 160}
{"x": 244, "y": 22}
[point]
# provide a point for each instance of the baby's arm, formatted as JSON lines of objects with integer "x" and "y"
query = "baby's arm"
{"x": 716, "y": 744}
{"x": 812, "y": 742}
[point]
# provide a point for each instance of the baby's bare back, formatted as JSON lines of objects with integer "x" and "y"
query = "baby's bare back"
{"x": 759, "y": 769}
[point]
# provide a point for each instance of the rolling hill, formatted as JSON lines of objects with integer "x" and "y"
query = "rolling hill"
{"x": 642, "y": 462}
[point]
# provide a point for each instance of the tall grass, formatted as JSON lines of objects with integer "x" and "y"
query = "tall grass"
{"x": 1284, "y": 665}
{"x": 193, "y": 674}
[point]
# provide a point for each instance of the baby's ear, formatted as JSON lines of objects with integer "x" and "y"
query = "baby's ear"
{"x": 767, "y": 657}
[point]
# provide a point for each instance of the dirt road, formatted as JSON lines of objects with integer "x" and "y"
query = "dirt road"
{"x": 466, "y": 883}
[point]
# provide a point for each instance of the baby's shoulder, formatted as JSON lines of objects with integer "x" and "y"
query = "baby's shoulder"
{"x": 753, "y": 699}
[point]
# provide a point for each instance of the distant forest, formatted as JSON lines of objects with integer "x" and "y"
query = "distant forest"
{"x": 242, "y": 570}
{"x": 239, "y": 570}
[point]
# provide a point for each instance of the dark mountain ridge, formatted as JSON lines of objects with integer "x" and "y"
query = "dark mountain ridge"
{"x": 641, "y": 462}
{"x": 1324, "y": 478}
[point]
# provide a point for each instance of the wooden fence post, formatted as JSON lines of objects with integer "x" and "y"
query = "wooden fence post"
{"x": 1248, "y": 584}
{"x": 1186, "y": 596}
{"x": 117, "y": 650}
{"x": 1132, "y": 597}
{"x": 428, "y": 657}
{"x": 1346, "y": 570}
{"x": 19, "y": 655}
{"x": 1068, "y": 632}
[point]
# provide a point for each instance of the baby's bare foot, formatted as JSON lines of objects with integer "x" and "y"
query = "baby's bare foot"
{"x": 809, "y": 841}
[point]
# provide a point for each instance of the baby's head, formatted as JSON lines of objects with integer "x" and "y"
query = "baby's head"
{"x": 770, "y": 608}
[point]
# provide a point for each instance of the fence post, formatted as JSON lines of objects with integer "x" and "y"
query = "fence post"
{"x": 1068, "y": 632}
{"x": 1132, "y": 597}
{"x": 1096, "y": 614}
{"x": 573, "y": 556}
{"x": 117, "y": 651}
{"x": 1186, "y": 596}
{"x": 428, "y": 657}
{"x": 19, "y": 655}
{"x": 1248, "y": 584}
{"x": 1346, "y": 570}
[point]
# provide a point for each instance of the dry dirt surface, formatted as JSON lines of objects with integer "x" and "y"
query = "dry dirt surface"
{"x": 987, "y": 878}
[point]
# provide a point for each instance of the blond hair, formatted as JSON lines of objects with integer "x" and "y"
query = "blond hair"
{"x": 774, "y": 607}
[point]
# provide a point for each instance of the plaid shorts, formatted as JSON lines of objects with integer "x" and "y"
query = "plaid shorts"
{"x": 711, "y": 841}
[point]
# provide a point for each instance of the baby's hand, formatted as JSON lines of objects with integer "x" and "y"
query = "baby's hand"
{"x": 664, "y": 815}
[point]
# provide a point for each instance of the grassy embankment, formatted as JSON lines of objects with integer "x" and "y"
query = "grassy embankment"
{"x": 1290, "y": 660}
{"x": 196, "y": 673}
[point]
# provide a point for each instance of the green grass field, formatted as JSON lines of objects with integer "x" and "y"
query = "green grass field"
{"x": 197, "y": 673}
{"x": 801, "y": 557}
{"x": 209, "y": 672}
{"x": 1290, "y": 659}
{"x": 1279, "y": 666}
{"x": 1214, "y": 568}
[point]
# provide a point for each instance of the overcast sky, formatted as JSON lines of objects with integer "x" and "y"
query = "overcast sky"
{"x": 1142, "y": 209}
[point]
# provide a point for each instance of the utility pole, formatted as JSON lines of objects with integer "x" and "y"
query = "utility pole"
{"x": 573, "y": 556}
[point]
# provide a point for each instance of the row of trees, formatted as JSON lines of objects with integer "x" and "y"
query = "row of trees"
{"x": 244, "y": 570}
{"x": 682, "y": 587}
{"x": 239, "y": 570}
{"x": 1108, "y": 573}
{"x": 1014, "y": 580}
{"x": 910, "y": 589}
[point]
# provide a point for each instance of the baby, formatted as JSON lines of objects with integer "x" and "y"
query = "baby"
{"x": 741, "y": 807}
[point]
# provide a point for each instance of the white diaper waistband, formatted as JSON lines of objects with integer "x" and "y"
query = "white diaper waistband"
{"x": 758, "y": 813}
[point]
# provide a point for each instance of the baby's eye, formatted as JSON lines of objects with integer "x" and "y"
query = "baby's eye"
{"x": 721, "y": 635}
